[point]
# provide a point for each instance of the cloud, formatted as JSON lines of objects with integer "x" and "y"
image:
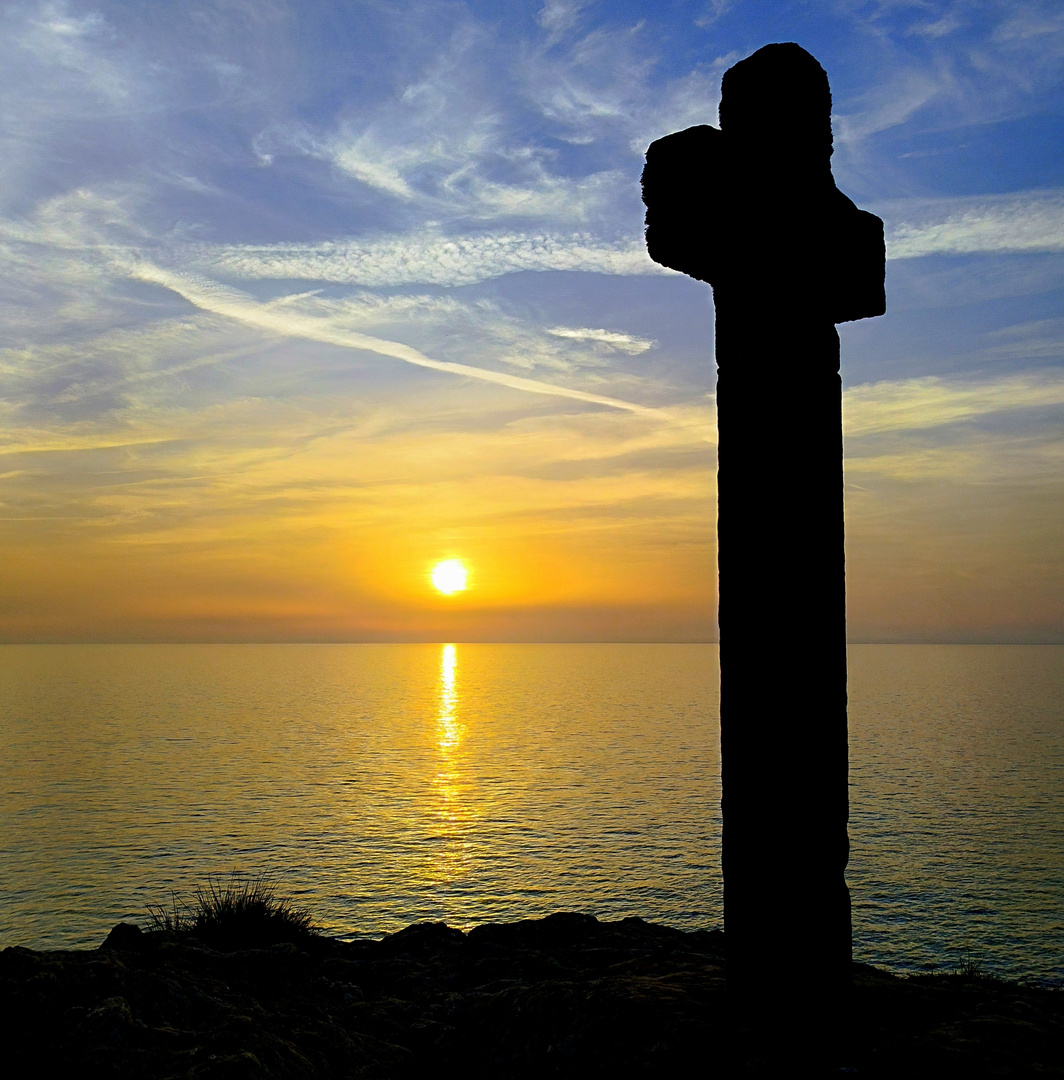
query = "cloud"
{"x": 941, "y": 27}
{"x": 1018, "y": 222}
{"x": 683, "y": 102}
{"x": 460, "y": 141}
{"x": 363, "y": 163}
{"x": 469, "y": 140}
{"x": 623, "y": 342}
{"x": 952, "y": 64}
{"x": 277, "y": 317}
{"x": 711, "y": 12}
{"x": 428, "y": 258}
{"x": 470, "y": 173}
{"x": 125, "y": 374}
{"x": 558, "y": 16}
{"x": 1014, "y": 461}
{"x": 1023, "y": 221}
{"x": 607, "y": 90}
{"x": 76, "y": 46}
{"x": 1042, "y": 339}
{"x": 895, "y": 102}
{"x": 928, "y": 402}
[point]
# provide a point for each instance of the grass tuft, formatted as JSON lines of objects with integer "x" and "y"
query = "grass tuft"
{"x": 971, "y": 967}
{"x": 241, "y": 913}
{"x": 974, "y": 969}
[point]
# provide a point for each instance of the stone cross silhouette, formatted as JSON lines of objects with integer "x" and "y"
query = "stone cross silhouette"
{"x": 753, "y": 210}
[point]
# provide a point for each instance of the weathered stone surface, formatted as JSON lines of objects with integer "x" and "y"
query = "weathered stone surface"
{"x": 565, "y": 996}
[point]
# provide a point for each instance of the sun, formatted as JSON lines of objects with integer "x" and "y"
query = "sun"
{"x": 450, "y": 576}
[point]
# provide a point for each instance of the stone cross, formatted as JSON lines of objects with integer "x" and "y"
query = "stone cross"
{"x": 752, "y": 209}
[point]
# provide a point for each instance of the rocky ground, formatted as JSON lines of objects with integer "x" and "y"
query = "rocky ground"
{"x": 565, "y": 996}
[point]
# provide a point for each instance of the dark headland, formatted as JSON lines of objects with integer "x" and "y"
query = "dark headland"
{"x": 565, "y": 996}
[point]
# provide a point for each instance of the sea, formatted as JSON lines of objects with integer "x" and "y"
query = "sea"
{"x": 381, "y": 785}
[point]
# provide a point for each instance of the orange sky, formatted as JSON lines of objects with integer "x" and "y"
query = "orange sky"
{"x": 293, "y": 307}
{"x": 321, "y": 520}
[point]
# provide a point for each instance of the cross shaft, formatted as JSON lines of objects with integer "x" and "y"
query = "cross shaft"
{"x": 753, "y": 210}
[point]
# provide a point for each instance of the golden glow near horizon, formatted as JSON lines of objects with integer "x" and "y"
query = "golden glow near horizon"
{"x": 449, "y": 577}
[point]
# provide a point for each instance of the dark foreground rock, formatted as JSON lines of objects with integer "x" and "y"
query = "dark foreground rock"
{"x": 565, "y": 996}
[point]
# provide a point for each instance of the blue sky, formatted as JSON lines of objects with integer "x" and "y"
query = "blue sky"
{"x": 299, "y": 298}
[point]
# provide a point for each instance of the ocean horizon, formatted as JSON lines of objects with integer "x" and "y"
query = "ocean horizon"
{"x": 384, "y": 784}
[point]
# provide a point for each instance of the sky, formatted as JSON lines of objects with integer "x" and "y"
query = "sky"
{"x": 299, "y": 299}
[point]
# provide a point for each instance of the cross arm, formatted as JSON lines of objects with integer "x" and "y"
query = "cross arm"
{"x": 797, "y": 242}
{"x": 679, "y": 194}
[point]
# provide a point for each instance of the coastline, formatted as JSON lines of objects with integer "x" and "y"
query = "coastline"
{"x": 563, "y": 996}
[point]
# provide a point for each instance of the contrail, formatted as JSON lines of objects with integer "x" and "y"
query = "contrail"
{"x": 220, "y": 300}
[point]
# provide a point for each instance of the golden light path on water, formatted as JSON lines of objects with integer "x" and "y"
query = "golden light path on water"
{"x": 455, "y": 811}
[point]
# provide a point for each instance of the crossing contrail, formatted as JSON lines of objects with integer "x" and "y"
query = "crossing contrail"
{"x": 280, "y": 319}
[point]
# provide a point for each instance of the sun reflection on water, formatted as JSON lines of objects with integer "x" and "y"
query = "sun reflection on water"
{"x": 448, "y": 732}
{"x": 455, "y": 814}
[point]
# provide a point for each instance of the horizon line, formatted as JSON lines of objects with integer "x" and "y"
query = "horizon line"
{"x": 523, "y": 641}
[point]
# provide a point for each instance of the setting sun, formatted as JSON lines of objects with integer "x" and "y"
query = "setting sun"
{"x": 450, "y": 576}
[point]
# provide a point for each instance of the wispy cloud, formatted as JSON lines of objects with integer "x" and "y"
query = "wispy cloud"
{"x": 607, "y": 89}
{"x": 279, "y": 317}
{"x": 953, "y": 63}
{"x": 450, "y": 178}
{"x": 559, "y": 16}
{"x": 78, "y": 45}
{"x": 1011, "y": 461}
{"x": 895, "y": 102}
{"x": 444, "y": 146}
{"x": 1018, "y": 222}
{"x": 1025, "y": 221}
{"x": 429, "y": 258}
{"x": 712, "y": 11}
{"x": 610, "y": 338}
{"x": 915, "y": 404}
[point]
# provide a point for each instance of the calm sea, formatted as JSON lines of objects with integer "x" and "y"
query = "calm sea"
{"x": 384, "y": 784}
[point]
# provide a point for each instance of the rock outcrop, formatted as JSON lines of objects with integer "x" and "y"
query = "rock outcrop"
{"x": 565, "y": 996}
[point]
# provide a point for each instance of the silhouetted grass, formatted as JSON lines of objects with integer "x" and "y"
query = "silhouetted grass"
{"x": 971, "y": 967}
{"x": 242, "y": 913}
